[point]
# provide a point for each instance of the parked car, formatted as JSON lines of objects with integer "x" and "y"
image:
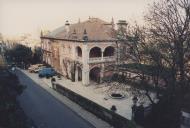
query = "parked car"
{"x": 35, "y": 68}
{"x": 47, "y": 72}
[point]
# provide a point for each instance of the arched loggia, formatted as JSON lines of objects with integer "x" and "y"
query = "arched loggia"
{"x": 109, "y": 51}
{"x": 95, "y": 74}
{"x": 95, "y": 52}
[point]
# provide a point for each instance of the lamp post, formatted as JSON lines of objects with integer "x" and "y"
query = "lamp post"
{"x": 134, "y": 107}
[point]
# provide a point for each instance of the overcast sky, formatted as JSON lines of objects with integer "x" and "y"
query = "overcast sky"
{"x": 30, "y": 16}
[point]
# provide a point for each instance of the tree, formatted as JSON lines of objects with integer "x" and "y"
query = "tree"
{"x": 66, "y": 64}
{"x": 19, "y": 54}
{"x": 143, "y": 55}
{"x": 165, "y": 44}
{"x": 37, "y": 55}
{"x": 168, "y": 34}
{"x": 169, "y": 31}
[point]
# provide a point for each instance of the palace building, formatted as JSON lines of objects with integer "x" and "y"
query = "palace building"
{"x": 82, "y": 51}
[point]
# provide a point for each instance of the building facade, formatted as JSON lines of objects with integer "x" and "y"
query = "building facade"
{"x": 83, "y": 51}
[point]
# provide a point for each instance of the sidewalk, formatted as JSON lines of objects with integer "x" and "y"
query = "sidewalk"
{"x": 46, "y": 84}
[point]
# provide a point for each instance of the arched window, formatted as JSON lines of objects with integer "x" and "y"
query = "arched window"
{"x": 95, "y": 52}
{"x": 109, "y": 51}
{"x": 79, "y": 51}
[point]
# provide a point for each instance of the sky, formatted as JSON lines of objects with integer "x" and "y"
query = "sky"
{"x": 32, "y": 16}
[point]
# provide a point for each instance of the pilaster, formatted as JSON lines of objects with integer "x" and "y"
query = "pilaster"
{"x": 85, "y": 68}
{"x": 102, "y": 72}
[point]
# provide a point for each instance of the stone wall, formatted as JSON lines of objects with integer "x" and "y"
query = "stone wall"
{"x": 55, "y": 56}
{"x": 109, "y": 116}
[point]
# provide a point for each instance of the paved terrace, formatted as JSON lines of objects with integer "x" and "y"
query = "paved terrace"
{"x": 100, "y": 95}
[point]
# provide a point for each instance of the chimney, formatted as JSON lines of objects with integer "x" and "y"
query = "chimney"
{"x": 122, "y": 23}
{"x": 67, "y": 24}
{"x": 112, "y": 23}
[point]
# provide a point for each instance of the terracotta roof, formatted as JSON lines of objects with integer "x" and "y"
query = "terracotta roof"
{"x": 96, "y": 29}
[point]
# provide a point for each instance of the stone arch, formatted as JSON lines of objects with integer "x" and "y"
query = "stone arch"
{"x": 109, "y": 70}
{"x": 109, "y": 51}
{"x": 78, "y": 51}
{"x": 94, "y": 74}
{"x": 95, "y": 52}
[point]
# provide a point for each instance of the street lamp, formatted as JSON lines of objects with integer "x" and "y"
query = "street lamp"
{"x": 134, "y": 107}
{"x": 135, "y": 99}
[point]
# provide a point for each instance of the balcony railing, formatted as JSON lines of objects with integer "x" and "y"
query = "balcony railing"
{"x": 102, "y": 59}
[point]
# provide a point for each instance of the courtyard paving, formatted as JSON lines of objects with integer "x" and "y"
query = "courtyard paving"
{"x": 100, "y": 94}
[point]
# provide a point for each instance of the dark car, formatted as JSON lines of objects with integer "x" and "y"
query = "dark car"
{"x": 47, "y": 72}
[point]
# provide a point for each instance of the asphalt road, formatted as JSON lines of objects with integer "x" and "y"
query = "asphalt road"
{"x": 45, "y": 110}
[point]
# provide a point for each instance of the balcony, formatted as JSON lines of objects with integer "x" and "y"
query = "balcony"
{"x": 102, "y": 59}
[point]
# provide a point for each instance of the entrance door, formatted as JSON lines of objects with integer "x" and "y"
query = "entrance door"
{"x": 79, "y": 74}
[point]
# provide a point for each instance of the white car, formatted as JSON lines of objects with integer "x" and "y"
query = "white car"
{"x": 35, "y": 68}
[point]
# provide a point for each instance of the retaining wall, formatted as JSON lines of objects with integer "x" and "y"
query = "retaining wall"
{"x": 109, "y": 116}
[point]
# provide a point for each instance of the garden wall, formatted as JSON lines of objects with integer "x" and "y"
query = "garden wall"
{"x": 109, "y": 116}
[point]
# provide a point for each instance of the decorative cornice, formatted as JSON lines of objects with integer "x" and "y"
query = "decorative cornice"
{"x": 75, "y": 40}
